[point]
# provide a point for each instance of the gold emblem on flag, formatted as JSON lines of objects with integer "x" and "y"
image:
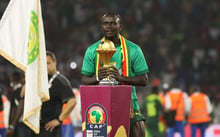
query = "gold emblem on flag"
{"x": 33, "y": 43}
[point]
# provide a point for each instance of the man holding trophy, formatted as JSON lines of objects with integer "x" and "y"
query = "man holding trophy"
{"x": 114, "y": 60}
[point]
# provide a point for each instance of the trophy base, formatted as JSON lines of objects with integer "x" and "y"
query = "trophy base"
{"x": 106, "y": 82}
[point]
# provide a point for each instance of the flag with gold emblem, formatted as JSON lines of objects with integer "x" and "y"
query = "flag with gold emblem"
{"x": 22, "y": 43}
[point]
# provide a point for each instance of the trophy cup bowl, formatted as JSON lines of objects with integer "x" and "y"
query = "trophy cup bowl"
{"x": 106, "y": 49}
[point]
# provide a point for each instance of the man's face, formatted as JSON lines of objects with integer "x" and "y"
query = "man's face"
{"x": 51, "y": 66}
{"x": 110, "y": 26}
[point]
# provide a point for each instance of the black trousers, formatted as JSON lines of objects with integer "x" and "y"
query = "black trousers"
{"x": 22, "y": 130}
{"x": 57, "y": 132}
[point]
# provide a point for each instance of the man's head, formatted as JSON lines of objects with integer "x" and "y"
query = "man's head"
{"x": 155, "y": 90}
{"x": 165, "y": 87}
{"x": 194, "y": 88}
{"x": 111, "y": 24}
{"x": 51, "y": 63}
{"x": 15, "y": 78}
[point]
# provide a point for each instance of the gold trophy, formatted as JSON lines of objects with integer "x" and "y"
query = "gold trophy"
{"x": 106, "y": 49}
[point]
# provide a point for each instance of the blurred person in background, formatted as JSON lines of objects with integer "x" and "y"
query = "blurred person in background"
{"x": 200, "y": 111}
{"x": 72, "y": 124}
{"x": 4, "y": 113}
{"x": 177, "y": 99}
{"x": 216, "y": 111}
{"x": 152, "y": 110}
{"x": 165, "y": 87}
{"x": 16, "y": 126}
{"x": 76, "y": 117}
{"x": 133, "y": 73}
{"x": 67, "y": 127}
{"x": 2, "y": 124}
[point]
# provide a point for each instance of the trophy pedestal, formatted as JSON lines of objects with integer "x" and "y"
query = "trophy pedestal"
{"x": 110, "y": 105}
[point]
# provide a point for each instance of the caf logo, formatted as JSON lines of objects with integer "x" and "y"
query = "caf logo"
{"x": 96, "y": 114}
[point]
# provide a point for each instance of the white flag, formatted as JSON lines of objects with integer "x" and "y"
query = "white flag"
{"x": 22, "y": 43}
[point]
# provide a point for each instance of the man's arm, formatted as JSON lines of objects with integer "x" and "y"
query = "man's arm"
{"x": 209, "y": 105}
{"x": 55, "y": 122}
{"x": 68, "y": 109}
{"x": 188, "y": 103}
{"x": 141, "y": 80}
{"x": 15, "y": 114}
{"x": 103, "y": 72}
{"x": 168, "y": 103}
{"x": 89, "y": 80}
{"x": 11, "y": 127}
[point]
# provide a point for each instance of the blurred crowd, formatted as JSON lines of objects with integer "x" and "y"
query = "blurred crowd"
{"x": 170, "y": 111}
{"x": 180, "y": 39}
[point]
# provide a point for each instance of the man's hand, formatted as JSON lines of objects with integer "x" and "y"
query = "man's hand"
{"x": 114, "y": 73}
{"x": 9, "y": 132}
{"x": 103, "y": 72}
{"x": 52, "y": 124}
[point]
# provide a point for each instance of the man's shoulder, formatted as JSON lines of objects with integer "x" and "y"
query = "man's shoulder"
{"x": 133, "y": 47}
{"x": 62, "y": 79}
{"x": 131, "y": 44}
{"x": 18, "y": 90}
{"x": 94, "y": 45}
{"x": 198, "y": 94}
{"x": 153, "y": 97}
{"x": 92, "y": 48}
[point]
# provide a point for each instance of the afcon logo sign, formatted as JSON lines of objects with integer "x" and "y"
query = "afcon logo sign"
{"x": 33, "y": 43}
{"x": 96, "y": 115}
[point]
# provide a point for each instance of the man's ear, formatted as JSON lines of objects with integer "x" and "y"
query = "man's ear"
{"x": 55, "y": 63}
{"x": 120, "y": 27}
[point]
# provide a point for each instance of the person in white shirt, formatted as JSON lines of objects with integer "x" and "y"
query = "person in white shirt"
{"x": 200, "y": 111}
{"x": 177, "y": 99}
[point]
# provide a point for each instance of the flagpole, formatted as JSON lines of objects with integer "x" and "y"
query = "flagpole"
{"x": 12, "y": 60}
{"x": 39, "y": 46}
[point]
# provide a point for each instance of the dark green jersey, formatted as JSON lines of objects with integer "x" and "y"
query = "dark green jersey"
{"x": 138, "y": 62}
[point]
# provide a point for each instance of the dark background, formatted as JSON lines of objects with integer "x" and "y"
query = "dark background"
{"x": 180, "y": 38}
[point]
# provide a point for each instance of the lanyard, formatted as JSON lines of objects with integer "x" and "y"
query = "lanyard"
{"x": 52, "y": 78}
